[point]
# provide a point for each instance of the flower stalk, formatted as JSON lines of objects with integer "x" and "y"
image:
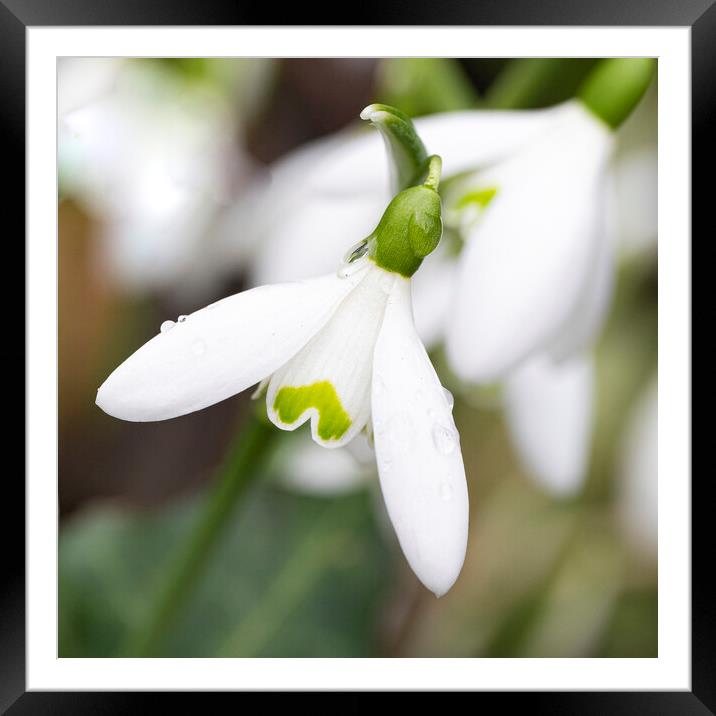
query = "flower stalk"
{"x": 615, "y": 87}
{"x": 239, "y": 471}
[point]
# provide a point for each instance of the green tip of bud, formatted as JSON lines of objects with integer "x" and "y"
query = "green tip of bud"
{"x": 409, "y": 230}
{"x": 615, "y": 86}
{"x": 407, "y": 152}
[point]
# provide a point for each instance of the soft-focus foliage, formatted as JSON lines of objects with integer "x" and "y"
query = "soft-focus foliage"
{"x": 304, "y": 570}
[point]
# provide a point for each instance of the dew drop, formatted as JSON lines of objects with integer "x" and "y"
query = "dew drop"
{"x": 181, "y": 319}
{"x": 445, "y": 490}
{"x": 450, "y": 398}
{"x": 357, "y": 251}
{"x": 444, "y": 439}
{"x": 198, "y": 347}
{"x": 352, "y": 260}
{"x": 166, "y": 326}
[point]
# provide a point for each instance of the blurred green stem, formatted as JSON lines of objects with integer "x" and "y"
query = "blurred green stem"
{"x": 528, "y": 83}
{"x": 240, "y": 469}
{"x": 309, "y": 559}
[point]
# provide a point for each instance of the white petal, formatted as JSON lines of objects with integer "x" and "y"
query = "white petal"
{"x": 328, "y": 381}
{"x": 312, "y": 235}
{"x": 530, "y": 255}
{"x": 549, "y": 412}
{"x": 581, "y": 329}
{"x": 636, "y": 200}
{"x": 220, "y": 350}
{"x": 81, "y": 80}
{"x": 417, "y": 449}
{"x": 476, "y": 138}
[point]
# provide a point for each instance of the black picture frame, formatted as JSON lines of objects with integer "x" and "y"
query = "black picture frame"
{"x": 17, "y": 15}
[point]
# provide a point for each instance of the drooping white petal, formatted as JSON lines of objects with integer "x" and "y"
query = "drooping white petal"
{"x": 418, "y": 451}
{"x": 549, "y": 413}
{"x": 532, "y": 252}
{"x": 473, "y": 139}
{"x": 638, "y": 476}
{"x": 328, "y": 381}
{"x": 581, "y": 329}
{"x": 220, "y": 350}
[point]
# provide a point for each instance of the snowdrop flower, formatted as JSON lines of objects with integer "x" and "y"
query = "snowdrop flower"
{"x": 341, "y": 352}
{"x": 525, "y": 298}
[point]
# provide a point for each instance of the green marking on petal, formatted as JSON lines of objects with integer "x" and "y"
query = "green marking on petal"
{"x": 481, "y": 197}
{"x": 291, "y": 403}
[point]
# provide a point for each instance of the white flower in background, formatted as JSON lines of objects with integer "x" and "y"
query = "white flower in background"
{"x": 532, "y": 289}
{"x": 82, "y": 80}
{"x": 342, "y": 352}
{"x": 154, "y": 157}
{"x": 525, "y": 299}
{"x": 638, "y": 471}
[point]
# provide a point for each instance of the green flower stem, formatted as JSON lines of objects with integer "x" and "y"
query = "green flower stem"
{"x": 241, "y": 468}
{"x": 615, "y": 86}
{"x": 425, "y": 85}
{"x": 310, "y": 558}
{"x": 435, "y": 167}
{"x": 407, "y": 153}
{"x": 529, "y": 83}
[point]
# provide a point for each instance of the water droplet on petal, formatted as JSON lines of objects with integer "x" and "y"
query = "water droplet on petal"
{"x": 357, "y": 251}
{"x": 166, "y": 326}
{"x": 445, "y": 439}
{"x": 181, "y": 319}
{"x": 198, "y": 347}
{"x": 445, "y": 490}
{"x": 352, "y": 261}
{"x": 450, "y": 398}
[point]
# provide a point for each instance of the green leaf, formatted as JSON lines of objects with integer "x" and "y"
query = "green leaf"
{"x": 294, "y": 576}
{"x": 615, "y": 87}
{"x": 531, "y": 83}
{"x": 425, "y": 85}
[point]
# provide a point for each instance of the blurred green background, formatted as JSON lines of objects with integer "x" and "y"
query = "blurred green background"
{"x": 301, "y": 574}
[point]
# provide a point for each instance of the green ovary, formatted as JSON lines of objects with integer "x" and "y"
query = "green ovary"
{"x": 291, "y": 403}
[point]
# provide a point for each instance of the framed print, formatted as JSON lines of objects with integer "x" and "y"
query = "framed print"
{"x": 358, "y": 357}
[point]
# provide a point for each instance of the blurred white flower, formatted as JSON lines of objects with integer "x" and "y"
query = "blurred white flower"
{"x": 632, "y": 206}
{"x": 304, "y": 466}
{"x": 342, "y": 352}
{"x": 154, "y": 158}
{"x": 548, "y": 407}
{"x": 638, "y": 472}
{"x": 81, "y": 80}
{"x": 526, "y": 272}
